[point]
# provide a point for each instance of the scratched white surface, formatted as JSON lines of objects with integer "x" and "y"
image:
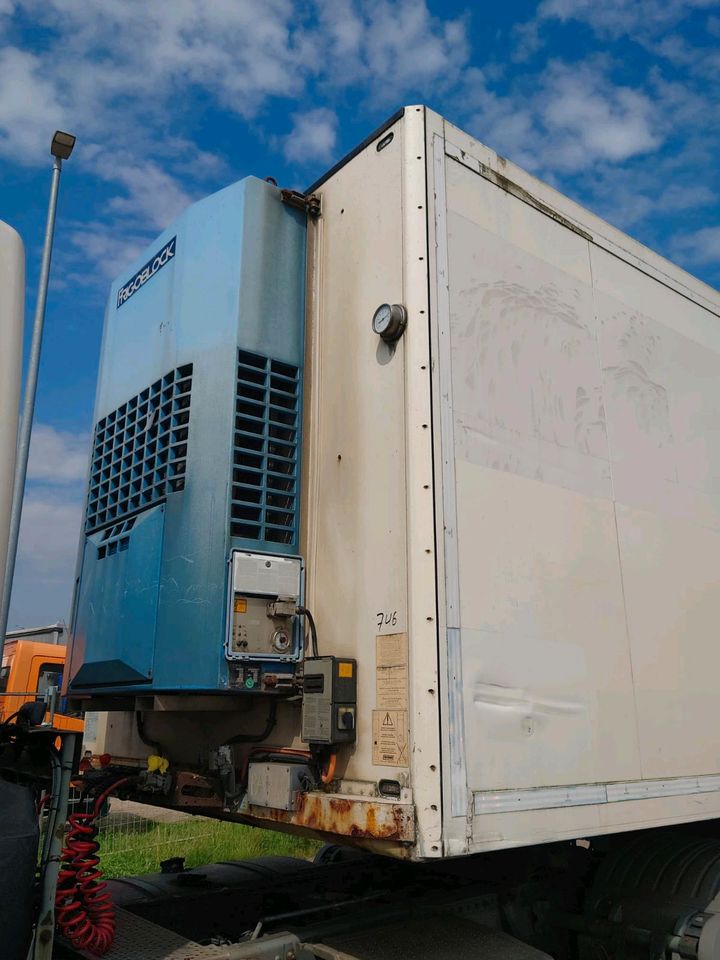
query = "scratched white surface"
{"x": 587, "y": 432}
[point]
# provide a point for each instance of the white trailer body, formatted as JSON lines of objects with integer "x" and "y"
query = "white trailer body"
{"x": 510, "y": 517}
{"x": 12, "y": 305}
{"x": 558, "y": 391}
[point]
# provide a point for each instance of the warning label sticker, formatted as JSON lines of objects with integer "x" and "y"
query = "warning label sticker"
{"x": 391, "y": 671}
{"x": 390, "y": 738}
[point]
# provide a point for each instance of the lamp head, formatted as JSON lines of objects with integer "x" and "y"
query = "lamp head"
{"x": 62, "y": 145}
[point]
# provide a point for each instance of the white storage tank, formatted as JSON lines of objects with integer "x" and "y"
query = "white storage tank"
{"x": 12, "y": 299}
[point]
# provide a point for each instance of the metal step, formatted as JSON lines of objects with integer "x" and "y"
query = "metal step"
{"x": 139, "y": 939}
{"x": 431, "y": 938}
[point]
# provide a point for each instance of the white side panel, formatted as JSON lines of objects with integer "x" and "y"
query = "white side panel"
{"x": 586, "y": 429}
{"x": 547, "y": 682}
{"x": 546, "y": 670}
{"x": 12, "y": 300}
{"x": 671, "y": 571}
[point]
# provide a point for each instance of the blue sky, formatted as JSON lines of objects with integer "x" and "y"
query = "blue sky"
{"x": 613, "y": 102}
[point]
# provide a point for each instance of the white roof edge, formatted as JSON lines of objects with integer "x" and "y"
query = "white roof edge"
{"x": 602, "y": 233}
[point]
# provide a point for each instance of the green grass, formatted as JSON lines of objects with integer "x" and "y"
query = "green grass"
{"x": 137, "y": 846}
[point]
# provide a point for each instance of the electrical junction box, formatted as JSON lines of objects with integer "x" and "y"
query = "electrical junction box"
{"x": 277, "y": 785}
{"x": 329, "y": 700}
{"x": 265, "y": 591}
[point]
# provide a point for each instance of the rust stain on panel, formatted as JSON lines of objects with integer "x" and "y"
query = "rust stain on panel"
{"x": 345, "y": 816}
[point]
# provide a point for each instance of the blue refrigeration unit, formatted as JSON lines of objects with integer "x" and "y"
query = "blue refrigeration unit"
{"x": 188, "y": 571}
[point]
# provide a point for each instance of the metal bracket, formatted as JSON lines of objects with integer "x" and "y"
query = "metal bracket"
{"x": 310, "y": 203}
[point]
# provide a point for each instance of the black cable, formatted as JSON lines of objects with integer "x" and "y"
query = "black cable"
{"x": 257, "y": 737}
{"x": 52, "y": 809}
{"x": 313, "y": 629}
{"x": 155, "y": 744}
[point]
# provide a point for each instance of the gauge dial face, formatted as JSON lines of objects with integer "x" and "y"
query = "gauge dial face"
{"x": 389, "y": 321}
{"x": 382, "y": 319}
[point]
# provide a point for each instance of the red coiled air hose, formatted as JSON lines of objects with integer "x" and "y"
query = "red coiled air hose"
{"x": 84, "y": 911}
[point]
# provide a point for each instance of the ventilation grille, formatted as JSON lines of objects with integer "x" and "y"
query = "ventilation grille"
{"x": 140, "y": 449}
{"x": 265, "y": 465}
{"x": 115, "y": 539}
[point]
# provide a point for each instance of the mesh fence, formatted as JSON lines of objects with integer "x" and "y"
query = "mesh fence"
{"x": 135, "y": 838}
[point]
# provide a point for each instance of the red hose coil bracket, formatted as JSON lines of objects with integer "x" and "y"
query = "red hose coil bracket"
{"x": 84, "y": 911}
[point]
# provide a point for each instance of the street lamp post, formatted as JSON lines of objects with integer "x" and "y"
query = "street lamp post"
{"x": 60, "y": 149}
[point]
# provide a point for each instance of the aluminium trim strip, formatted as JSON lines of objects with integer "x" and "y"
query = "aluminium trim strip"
{"x": 587, "y": 794}
{"x": 459, "y": 799}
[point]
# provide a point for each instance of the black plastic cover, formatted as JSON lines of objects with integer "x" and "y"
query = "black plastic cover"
{"x": 18, "y": 854}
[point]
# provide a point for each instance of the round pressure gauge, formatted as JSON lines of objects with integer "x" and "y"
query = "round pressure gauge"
{"x": 281, "y": 641}
{"x": 389, "y": 321}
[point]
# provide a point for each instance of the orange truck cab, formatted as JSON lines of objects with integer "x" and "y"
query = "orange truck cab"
{"x": 30, "y": 666}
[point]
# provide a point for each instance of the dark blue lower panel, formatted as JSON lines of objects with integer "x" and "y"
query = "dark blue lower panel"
{"x": 117, "y": 606}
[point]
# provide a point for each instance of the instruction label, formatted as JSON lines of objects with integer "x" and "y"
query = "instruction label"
{"x": 391, "y": 672}
{"x": 390, "y": 738}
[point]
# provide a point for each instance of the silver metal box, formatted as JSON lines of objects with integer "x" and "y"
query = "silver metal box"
{"x": 255, "y": 632}
{"x": 276, "y": 785}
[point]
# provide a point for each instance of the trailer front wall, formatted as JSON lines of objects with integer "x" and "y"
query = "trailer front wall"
{"x": 354, "y": 519}
{"x": 583, "y": 595}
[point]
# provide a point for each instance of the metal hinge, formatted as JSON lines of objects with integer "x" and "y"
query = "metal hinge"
{"x": 301, "y": 201}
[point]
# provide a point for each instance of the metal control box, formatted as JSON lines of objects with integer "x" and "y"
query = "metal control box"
{"x": 329, "y": 711}
{"x": 276, "y": 785}
{"x": 262, "y": 622}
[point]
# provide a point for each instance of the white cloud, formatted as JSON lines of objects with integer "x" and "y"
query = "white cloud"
{"x": 152, "y": 195}
{"x": 313, "y": 136}
{"x": 617, "y": 17}
{"x": 47, "y": 552}
{"x": 391, "y": 48}
{"x": 57, "y": 456}
{"x": 111, "y": 249}
{"x": 698, "y": 248}
{"x": 125, "y": 74}
{"x": 685, "y": 196}
{"x": 50, "y": 531}
{"x": 29, "y": 107}
{"x": 50, "y": 527}
{"x": 575, "y": 118}
{"x": 595, "y": 118}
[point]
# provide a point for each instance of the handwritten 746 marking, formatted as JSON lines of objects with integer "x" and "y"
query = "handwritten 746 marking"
{"x": 386, "y": 619}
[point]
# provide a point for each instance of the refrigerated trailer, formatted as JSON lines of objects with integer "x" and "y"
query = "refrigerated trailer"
{"x": 403, "y": 522}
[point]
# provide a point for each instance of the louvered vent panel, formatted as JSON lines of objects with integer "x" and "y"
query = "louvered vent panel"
{"x": 140, "y": 450}
{"x": 265, "y": 465}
